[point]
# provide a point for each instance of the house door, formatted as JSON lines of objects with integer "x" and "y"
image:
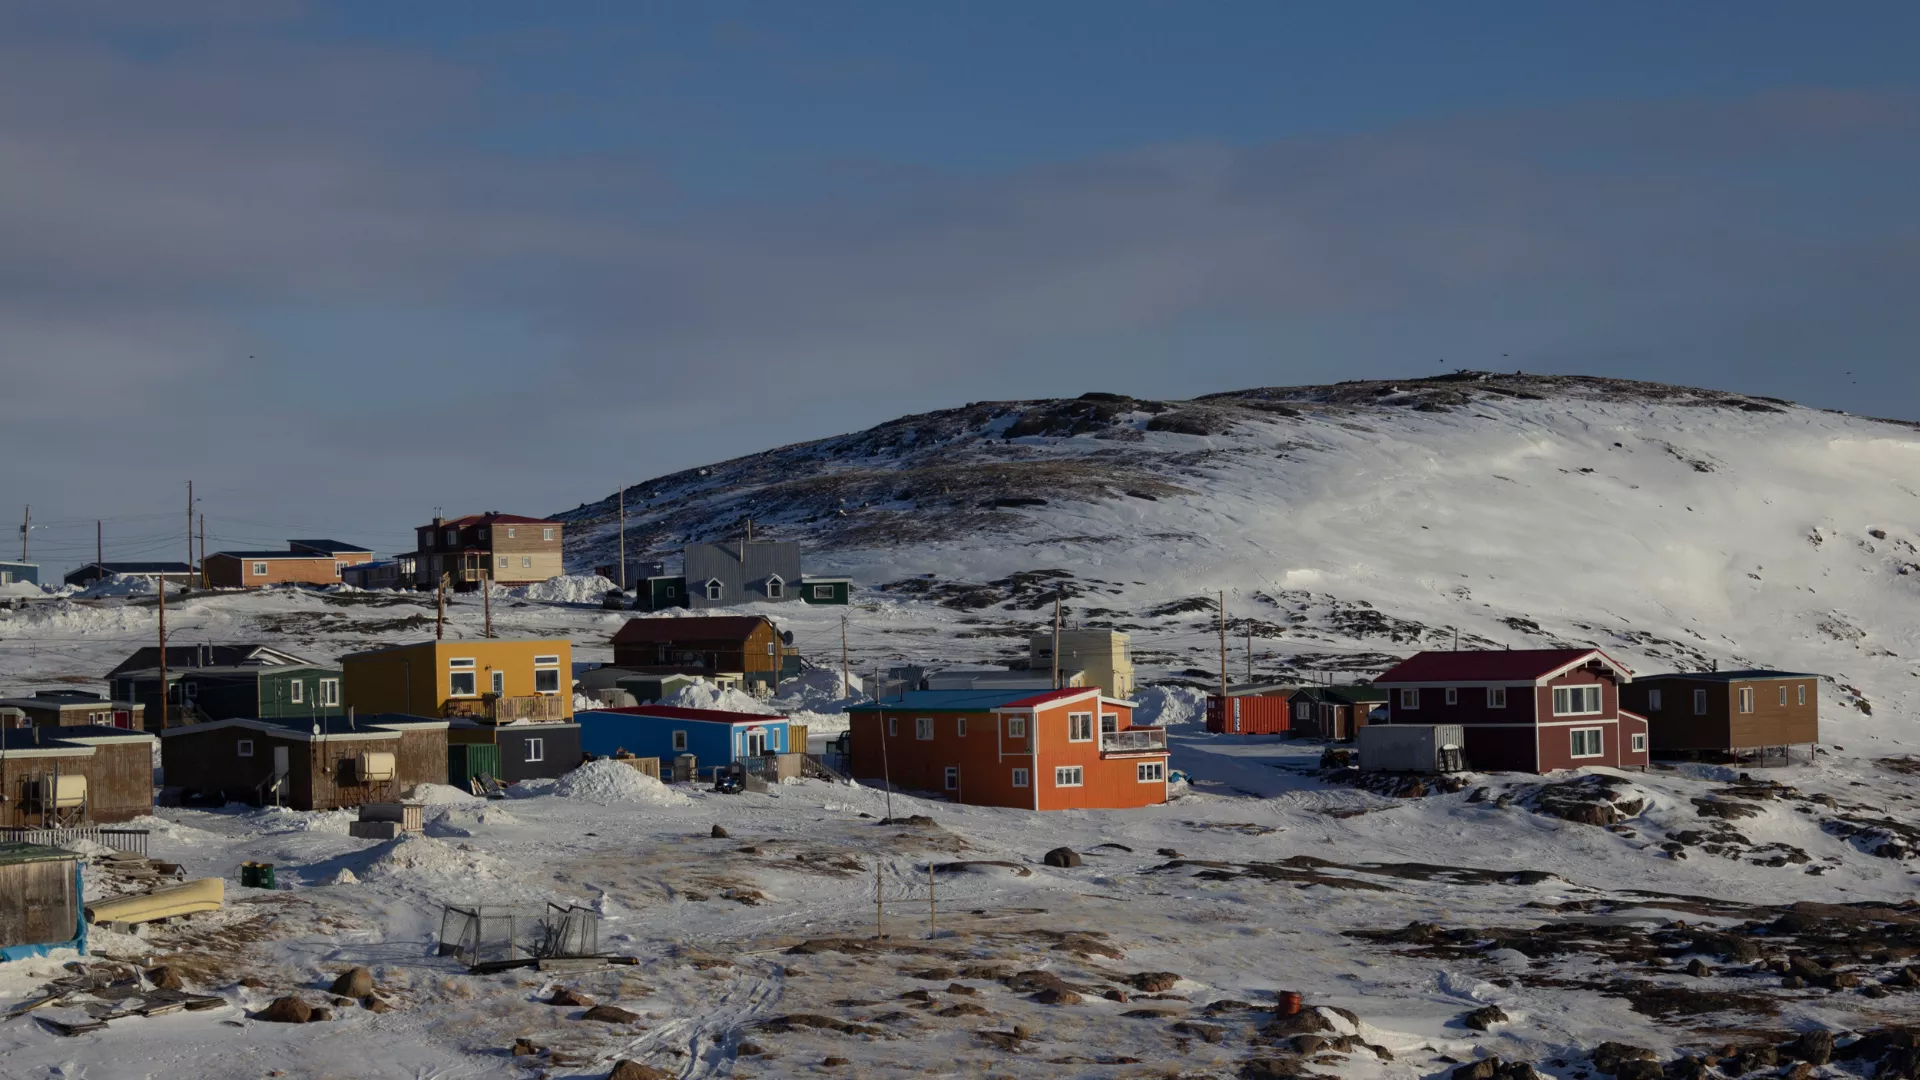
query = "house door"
{"x": 280, "y": 766}
{"x": 756, "y": 744}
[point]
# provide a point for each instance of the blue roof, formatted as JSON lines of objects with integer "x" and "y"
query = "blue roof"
{"x": 952, "y": 700}
{"x": 331, "y": 546}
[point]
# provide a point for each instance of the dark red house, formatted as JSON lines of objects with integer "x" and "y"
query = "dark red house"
{"x": 1524, "y": 710}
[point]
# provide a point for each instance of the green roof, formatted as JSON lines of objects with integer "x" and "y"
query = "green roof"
{"x": 12, "y": 854}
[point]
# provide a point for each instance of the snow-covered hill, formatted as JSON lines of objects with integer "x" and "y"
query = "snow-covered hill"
{"x": 1352, "y": 523}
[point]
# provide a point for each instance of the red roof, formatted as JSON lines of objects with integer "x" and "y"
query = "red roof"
{"x": 666, "y": 630}
{"x": 477, "y": 519}
{"x": 675, "y": 712}
{"x": 1490, "y": 665}
{"x": 1048, "y": 697}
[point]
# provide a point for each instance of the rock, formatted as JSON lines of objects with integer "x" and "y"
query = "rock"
{"x": 962, "y": 989}
{"x": 1054, "y": 995}
{"x": 933, "y": 974}
{"x": 1698, "y": 968}
{"x": 525, "y": 1048}
{"x": 1304, "y": 1022}
{"x": 718, "y": 833}
{"x": 1308, "y": 1045}
{"x": 963, "y": 1008}
{"x": 1792, "y": 982}
{"x": 572, "y": 999}
{"x": 1801, "y": 1071}
{"x": 911, "y": 819}
{"x": 1273, "y": 1068}
{"x": 1479, "y": 795}
{"x": 1813, "y": 1047}
{"x": 321, "y": 1014}
{"x": 1116, "y": 995}
{"x": 1504, "y": 800}
{"x": 1153, "y": 982}
{"x": 1807, "y": 968}
{"x": 1483, "y": 1019}
{"x": 1167, "y": 853}
{"x": 609, "y": 1014}
{"x": 633, "y": 1070}
{"x": 374, "y": 1005}
{"x": 916, "y": 995}
{"x": 1209, "y": 1033}
{"x": 286, "y": 1010}
{"x": 353, "y": 983}
{"x": 1639, "y": 1070}
{"x": 749, "y": 1049}
{"x": 252, "y": 983}
{"x": 1061, "y": 857}
{"x": 1687, "y": 1068}
{"x": 1484, "y": 1069}
{"x": 164, "y": 978}
{"x": 832, "y": 1062}
{"x": 1609, "y": 1056}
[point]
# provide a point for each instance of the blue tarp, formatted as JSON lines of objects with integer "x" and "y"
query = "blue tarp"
{"x": 79, "y": 939}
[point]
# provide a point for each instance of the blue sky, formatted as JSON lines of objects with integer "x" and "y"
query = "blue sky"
{"x": 310, "y": 254}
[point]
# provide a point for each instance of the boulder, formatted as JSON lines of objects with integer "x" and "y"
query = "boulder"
{"x": 1273, "y": 1068}
{"x": 164, "y": 978}
{"x": 609, "y": 1014}
{"x": 1153, "y": 982}
{"x": 374, "y": 1005}
{"x": 633, "y": 1070}
{"x": 525, "y": 1048}
{"x": 1639, "y": 1069}
{"x": 353, "y": 983}
{"x": 1483, "y": 1019}
{"x": 321, "y": 1014}
{"x": 572, "y": 999}
{"x": 1061, "y": 857}
{"x": 1813, "y": 1047}
{"x": 1484, "y": 1069}
{"x": 286, "y": 1010}
{"x": 1609, "y": 1056}
{"x": 718, "y": 833}
{"x": 1055, "y": 995}
{"x": 1698, "y": 968}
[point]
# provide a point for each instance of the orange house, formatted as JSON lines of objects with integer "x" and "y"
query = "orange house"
{"x": 1070, "y": 749}
{"x": 305, "y": 562}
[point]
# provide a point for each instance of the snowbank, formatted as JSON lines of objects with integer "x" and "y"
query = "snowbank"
{"x": 441, "y": 795}
{"x": 566, "y": 589}
{"x": 1170, "y": 706}
{"x": 413, "y": 854}
{"x": 705, "y": 695}
{"x": 612, "y": 781}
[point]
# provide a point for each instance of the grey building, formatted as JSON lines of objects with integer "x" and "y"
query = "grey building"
{"x": 741, "y": 572}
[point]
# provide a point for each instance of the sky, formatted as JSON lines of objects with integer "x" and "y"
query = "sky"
{"x": 342, "y": 264}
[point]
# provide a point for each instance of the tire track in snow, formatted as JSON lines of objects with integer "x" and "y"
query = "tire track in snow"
{"x": 708, "y": 1041}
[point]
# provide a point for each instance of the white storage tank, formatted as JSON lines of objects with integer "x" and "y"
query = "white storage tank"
{"x": 1413, "y": 748}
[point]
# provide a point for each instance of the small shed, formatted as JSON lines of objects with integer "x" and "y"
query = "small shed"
{"x": 41, "y": 905}
{"x": 826, "y": 590}
{"x": 11, "y": 572}
{"x": 321, "y": 764}
{"x": 523, "y": 750}
{"x": 1246, "y": 714}
{"x": 664, "y": 731}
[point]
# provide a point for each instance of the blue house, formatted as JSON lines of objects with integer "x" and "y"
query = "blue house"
{"x": 11, "y": 572}
{"x": 713, "y": 737}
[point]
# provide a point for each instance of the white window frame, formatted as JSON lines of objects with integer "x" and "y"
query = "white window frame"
{"x": 1783, "y": 695}
{"x": 1150, "y": 772}
{"x": 546, "y": 534}
{"x": 1453, "y": 695}
{"x": 1576, "y": 736}
{"x": 243, "y": 748}
{"x": 526, "y": 562}
{"x": 952, "y": 777}
{"x": 1639, "y": 743}
{"x": 536, "y": 749}
{"x": 499, "y": 682}
{"x": 297, "y": 692}
{"x": 1069, "y": 776}
{"x": 679, "y": 742}
{"x": 1745, "y": 700}
{"x": 1699, "y": 703}
{"x": 259, "y": 569}
{"x": 463, "y": 665}
{"x": 512, "y": 532}
{"x": 823, "y": 592}
{"x": 776, "y": 587}
{"x": 339, "y": 568}
{"x": 453, "y": 538}
{"x": 329, "y": 692}
{"x": 960, "y": 726}
{"x": 923, "y": 728}
{"x": 1105, "y": 717}
{"x": 1080, "y": 727}
{"x": 893, "y": 725}
{"x": 1016, "y": 727}
{"x": 189, "y": 690}
{"x": 1021, "y": 778}
{"x": 542, "y": 665}
{"x": 1583, "y": 691}
{"x": 506, "y": 561}
{"x": 1303, "y": 710}
{"x": 1409, "y": 697}
{"x": 1654, "y": 699}
{"x": 716, "y": 590}
{"x": 1803, "y": 693}
{"x": 1496, "y": 697}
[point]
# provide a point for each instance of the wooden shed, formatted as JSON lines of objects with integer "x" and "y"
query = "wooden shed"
{"x": 525, "y": 750}
{"x": 322, "y": 764}
{"x": 40, "y": 901}
{"x": 79, "y": 775}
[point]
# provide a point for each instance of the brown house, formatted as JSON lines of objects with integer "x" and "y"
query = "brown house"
{"x": 307, "y": 764}
{"x": 70, "y": 708}
{"x": 1726, "y": 712}
{"x": 746, "y": 645}
{"x": 503, "y": 548}
{"x": 79, "y": 775}
{"x": 305, "y": 562}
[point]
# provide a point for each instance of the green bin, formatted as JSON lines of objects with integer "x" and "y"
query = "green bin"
{"x": 256, "y": 875}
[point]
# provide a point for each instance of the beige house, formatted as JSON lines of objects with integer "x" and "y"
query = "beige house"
{"x": 1102, "y": 654}
{"x": 504, "y": 548}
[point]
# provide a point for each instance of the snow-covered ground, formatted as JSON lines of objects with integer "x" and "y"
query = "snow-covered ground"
{"x": 1667, "y": 529}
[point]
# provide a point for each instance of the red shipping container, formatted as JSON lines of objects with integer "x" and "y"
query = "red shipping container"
{"x": 1248, "y": 715}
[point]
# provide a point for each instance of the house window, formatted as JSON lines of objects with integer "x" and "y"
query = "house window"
{"x": 769, "y": 648}
{"x": 953, "y": 777}
{"x": 1576, "y": 700}
{"x": 499, "y": 684}
{"x": 329, "y": 691}
{"x": 1109, "y": 723}
{"x": 536, "y": 749}
{"x": 526, "y": 562}
{"x": 546, "y": 534}
{"x": 481, "y": 532}
{"x": 1639, "y": 744}
{"x": 1453, "y": 696}
{"x": 1302, "y": 710}
{"x": 893, "y": 725}
{"x": 1080, "y": 727}
{"x": 189, "y": 689}
{"x": 1803, "y": 693}
{"x": 1653, "y": 700}
{"x": 1496, "y": 697}
{"x": 1409, "y": 699}
{"x": 546, "y": 674}
{"x": 923, "y": 728}
{"x": 823, "y": 592}
{"x": 339, "y": 568}
{"x": 1586, "y": 742}
{"x": 1020, "y": 777}
{"x": 1069, "y": 776}
{"x": 505, "y": 562}
{"x": 775, "y": 587}
{"x": 1151, "y": 772}
{"x": 668, "y": 592}
{"x": 715, "y": 590}
{"x": 244, "y": 748}
{"x": 679, "y": 741}
{"x": 1699, "y": 703}
{"x": 259, "y": 569}
{"x": 960, "y": 727}
{"x": 460, "y": 678}
{"x": 1016, "y": 727}
{"x": 1746, "y": 699}
{"x": 1783, "y": 695}
{"x": 512, "y": 532}
{"x": 296, "y": 691}
{"x": 453, "y": 537}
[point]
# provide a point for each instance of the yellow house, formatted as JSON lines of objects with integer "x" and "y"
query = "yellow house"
{"x": 494, "y": 679}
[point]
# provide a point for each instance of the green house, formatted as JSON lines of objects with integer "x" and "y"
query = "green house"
{"x": 242, "y": 691}
{"x": 660, "y": 593}
{"x": 826, "y": 590}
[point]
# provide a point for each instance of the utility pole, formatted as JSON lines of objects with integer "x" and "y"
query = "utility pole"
{"x": 486, "y": 594}
{"x": 623, "y": 538}
{"x": 162, "y": 578}
{"x": 1223, "y": 643}
{"x": 26, "y": 523}
{"x": 846, "y": 671}
{"x": 189, "y": 526}
{"x": 440, "y": 608}
{"x": 99, "y": 546}
{"x": 1249, "y": 650}
{"x": 1056, "y": 639}
{"x": 203, "y": 551}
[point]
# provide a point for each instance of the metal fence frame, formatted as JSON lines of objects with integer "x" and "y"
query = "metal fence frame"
{"x": 478, "y": 934}
{"x": 129, "y": 840}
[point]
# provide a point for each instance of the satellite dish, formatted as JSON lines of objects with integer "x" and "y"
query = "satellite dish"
{"x": 786, "y": 637}
{"x": 316, "y": 729}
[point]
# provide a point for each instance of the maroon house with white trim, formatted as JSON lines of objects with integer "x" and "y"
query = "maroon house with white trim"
{"x": 1524, "y": 710}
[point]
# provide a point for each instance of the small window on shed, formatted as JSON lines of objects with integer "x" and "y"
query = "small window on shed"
{"x": 960, "y": 727}
{"x": 923, "y": 727}
{"x": 536, "y": 749}
{"x": 259, "y": 569}
{"x": 1496, "y": 697}
{"x": 776, "y": 588}
{"x": 1453, "y": 696}
{"x": 715, "y": 590}
{"x": 1783, "y": 695}
{"x": 1746, "y": 699}
{"x": 1803, "y": 693}
{"x": 512, "y": 532}
{"x": 1699, "y": 703}
{"x": 823, "y": 592}
{"x": 679, "y": 741}
{"x": 295, "y": 691}
{"x": 526, "y": 562}
{"x": 1653, "y": 700}
{"x": 546, "y": 534}
{"x": 1409, "y": 699}
{"x": 244, "y": 748}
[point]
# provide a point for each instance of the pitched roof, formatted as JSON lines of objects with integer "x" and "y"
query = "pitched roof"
{"x": 666, "y": 631}
{"x": 675, "y": 712}
{"x": 187, "y": 656}
{"x": 141, "y": 567}
{"x": 490, "y": 516}
{"x": 1746, "y": 675}
{"x": 272, "y": 555}
{"x": 1048, "y": 697}
{"x": 330, "y": 546}
{"x": 971, "y": 700}
{"x": 1490, "y": 665}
